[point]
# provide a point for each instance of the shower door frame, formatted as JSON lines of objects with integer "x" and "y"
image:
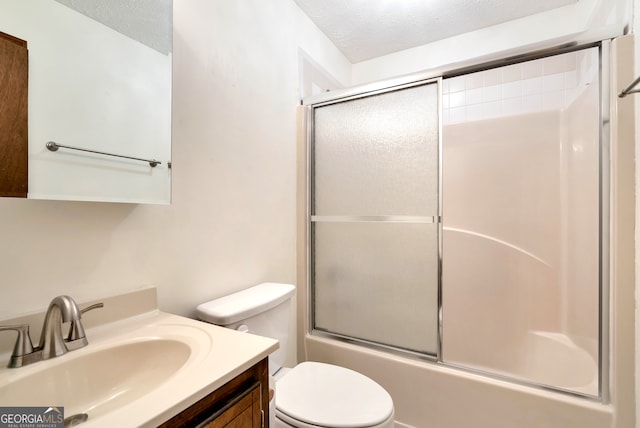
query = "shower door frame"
{"x": 436, "y": 76}
{"x": 356, "y": 93}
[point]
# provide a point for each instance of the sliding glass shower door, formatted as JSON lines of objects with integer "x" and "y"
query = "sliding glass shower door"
{"x": 522, "y": 208}
{"x": 374, "y": 218}
{"x": 479, "y": 238}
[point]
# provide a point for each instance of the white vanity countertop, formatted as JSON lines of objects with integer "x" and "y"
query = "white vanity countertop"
{"x": 209, "y": 357}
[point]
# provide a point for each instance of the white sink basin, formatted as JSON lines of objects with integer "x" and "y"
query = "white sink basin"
{"x": 100, "y": 381}
{"x": 135, "y": 372}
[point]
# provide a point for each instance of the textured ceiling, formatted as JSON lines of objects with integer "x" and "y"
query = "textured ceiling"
{"x": 365, "y": 29}
{"x": 147, "y": 21}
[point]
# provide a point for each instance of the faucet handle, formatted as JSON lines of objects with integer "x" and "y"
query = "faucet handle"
{"x": 92, "y": 307}
{"x": 23, "y": 346}
{"x": 76, "y": 330}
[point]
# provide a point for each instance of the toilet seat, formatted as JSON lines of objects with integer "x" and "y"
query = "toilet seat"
{"x": 323, "y": 395}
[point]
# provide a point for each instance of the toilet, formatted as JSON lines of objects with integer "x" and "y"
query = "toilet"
{"x": 311, "y": 394}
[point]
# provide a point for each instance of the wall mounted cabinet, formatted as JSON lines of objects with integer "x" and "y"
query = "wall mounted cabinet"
{"x": 108, "y": 91}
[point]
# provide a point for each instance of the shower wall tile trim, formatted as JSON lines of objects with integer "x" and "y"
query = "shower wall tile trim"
{"x": 545, "y": 84}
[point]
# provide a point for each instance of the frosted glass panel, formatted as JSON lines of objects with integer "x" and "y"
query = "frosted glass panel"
{"x": 378, "y": 282}
{"x": 378, "y": 155}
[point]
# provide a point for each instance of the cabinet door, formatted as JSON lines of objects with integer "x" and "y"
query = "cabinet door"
{"x": 243, "y": 412}
{"x": 14, "y": 77}
{"x": 243, "y": 402}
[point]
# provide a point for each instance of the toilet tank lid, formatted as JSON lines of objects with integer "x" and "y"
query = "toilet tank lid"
{"x": 244, "y": 304}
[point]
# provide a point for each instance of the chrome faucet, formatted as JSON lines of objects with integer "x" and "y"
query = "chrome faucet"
{"x": 62, "y": 309}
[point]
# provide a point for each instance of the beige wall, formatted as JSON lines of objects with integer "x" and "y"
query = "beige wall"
{"x": 634, "y": 123}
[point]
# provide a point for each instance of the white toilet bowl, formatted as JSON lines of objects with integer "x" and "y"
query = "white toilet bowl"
{"x": 310, "y": 395}
{"x": 313, "y": 395}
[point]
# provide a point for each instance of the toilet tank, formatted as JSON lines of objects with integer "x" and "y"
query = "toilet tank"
{"x": 263, "y": 309}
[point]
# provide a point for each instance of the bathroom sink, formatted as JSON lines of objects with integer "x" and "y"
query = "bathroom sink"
{"x": 99, "y": 381}
{"x": 136, "y": 371}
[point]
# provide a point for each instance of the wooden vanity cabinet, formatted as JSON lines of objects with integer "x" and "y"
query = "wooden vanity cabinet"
{"x": 243, "y": 402}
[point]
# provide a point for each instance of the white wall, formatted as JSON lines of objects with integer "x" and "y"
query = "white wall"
{"x": 232, "y": 220}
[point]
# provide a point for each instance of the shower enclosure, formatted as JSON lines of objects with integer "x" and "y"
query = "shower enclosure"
{"x": 458, "y": 219}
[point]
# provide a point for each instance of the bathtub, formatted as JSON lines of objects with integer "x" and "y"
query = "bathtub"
{"x": 434, "y": 395}
{"x": 549, "y": 359}
{"x": 545, "y": 357}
